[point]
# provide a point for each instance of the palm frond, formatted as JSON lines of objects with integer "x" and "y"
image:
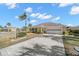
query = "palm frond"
{"x": 23, "y": 16}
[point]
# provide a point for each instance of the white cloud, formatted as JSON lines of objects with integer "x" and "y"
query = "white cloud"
{"x": 57, "y": 18}
{"x": 70, "y": 25}
{"x": 35, "y": 14}
{"x": 16, "y": 17}
{"x": 11, "y": 5}
{"x": 47, "y": 17}
{"x": 44, "y": 16}
{"x": 32, "y": 21}
{"x": 29, "y": 9}
{"x": 64, "y": 4}
{"x": 41, "y": 16}
{"x": 74, "y": 10}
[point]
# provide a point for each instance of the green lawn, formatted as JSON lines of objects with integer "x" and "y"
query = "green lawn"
{"x": 70, "y": 43}
{"x": 72, "y": 40}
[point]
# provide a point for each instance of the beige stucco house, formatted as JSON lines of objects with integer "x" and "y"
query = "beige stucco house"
{"x": 49, "y": 27}
{"x": 9, "y": 29}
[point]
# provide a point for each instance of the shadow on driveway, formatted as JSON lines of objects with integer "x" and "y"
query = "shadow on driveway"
{"x": 42, "y": 51}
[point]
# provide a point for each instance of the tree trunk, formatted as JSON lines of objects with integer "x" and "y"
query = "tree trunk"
{"x": 25, "y": 26}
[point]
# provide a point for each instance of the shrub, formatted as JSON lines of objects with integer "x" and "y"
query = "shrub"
{"x": 1, "y": 30}
{"x": 21, "y": 34}
{"x": 75, "y": 32}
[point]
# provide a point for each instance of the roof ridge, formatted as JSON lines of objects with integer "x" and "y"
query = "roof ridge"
{"x": 49, "y": 23}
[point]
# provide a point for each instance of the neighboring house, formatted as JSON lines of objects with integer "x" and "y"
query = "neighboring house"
{"x": 74, "y": 28}
{"x": 9, "y": 29}
{"x": 50, "y": 28}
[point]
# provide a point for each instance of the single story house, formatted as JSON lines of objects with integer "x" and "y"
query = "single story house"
{"x": 49, "y": 28}
{"x": 9, "y": 29}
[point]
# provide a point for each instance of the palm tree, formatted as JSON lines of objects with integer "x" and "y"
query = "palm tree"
{"x": 23, "y": 17}
{"x": 29, "y": 26}
{"x": 8, "y": 26}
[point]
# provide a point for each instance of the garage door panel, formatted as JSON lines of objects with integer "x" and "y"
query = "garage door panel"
{"x": 52, "y": 32}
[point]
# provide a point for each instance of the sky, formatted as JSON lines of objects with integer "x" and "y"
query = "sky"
{"x": 64, "y": 13}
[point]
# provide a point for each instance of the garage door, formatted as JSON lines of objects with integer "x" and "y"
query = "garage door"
{"x": 54, "y": 31}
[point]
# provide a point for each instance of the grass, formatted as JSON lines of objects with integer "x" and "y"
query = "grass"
{"x": 70, "y": 43}
{"x": 72, "y": 40}
{"x": 76, "y": 42}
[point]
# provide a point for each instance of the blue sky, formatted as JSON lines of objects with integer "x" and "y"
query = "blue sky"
{"x": 67, "y": 14}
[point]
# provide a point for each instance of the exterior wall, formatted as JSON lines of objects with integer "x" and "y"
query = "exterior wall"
{"x": 48, "y": 31}
{"x": 11, "y": 29}
{"x": 37, "y": 30}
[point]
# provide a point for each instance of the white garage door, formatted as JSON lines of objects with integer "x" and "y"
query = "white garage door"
{"x": 54, "y": 31}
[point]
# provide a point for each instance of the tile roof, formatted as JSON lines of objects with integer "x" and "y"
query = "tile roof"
{"x": 49, "y": 25}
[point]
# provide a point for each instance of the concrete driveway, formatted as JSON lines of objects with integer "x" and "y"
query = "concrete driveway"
{"x": 39, "y": 46}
